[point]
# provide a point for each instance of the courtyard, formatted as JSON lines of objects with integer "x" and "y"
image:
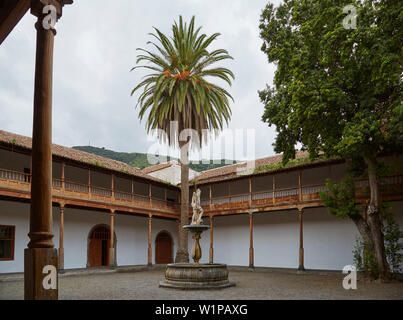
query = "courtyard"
{"x": 259, "y": 284}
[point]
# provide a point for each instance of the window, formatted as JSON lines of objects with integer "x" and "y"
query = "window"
{"x": 7, "y": 237}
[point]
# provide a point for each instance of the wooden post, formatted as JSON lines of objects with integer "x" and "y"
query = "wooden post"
{"x": 63, "y": 185}
{"x": 112, "y": 240}
{"x": 364, "y": 210}
{"x": 211, "y": 200}
{"x": 274, "y": 189}
{"x": 61, "y": 237}
{"x": 112, "y": 186}
{"x": 149, "y": 194}
{"x": 41, "y": 258}
{"x": 132, "y": 190}
{"x": 211, "y": 257}
{"x": 300, "y": 186}
{"x": 250, "y": 192}
{"x": 89, "y": 180}
{"x": 165, "y": 197}
{"x": 229, "y": 192}
{"x": 251, "y": 256}
{"x": 301, "y": 241}
{"x": 150, "y": 252}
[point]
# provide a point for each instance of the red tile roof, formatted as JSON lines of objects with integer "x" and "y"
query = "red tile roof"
{"x": 234, "y": 170}
{"x": 159, "y": 166}
{"x": 77, "y": 155}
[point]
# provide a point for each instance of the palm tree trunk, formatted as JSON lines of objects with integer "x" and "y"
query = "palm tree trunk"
{"x": 182, "y": 255}
{"x": 375, "y": 221}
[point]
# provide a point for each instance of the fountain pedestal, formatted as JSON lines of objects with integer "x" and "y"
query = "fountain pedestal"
{"x": 196, "y": 276}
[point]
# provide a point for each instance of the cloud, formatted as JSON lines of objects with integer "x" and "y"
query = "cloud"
{"x": 95, "y": 47}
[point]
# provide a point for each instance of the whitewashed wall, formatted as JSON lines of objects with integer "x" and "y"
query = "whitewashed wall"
{"x": 328, "y": 241}
{"x": 276, "y": 239}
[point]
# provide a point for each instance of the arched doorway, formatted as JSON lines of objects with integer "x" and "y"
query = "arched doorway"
{"x": 163, "y": 248}
{"x": 98, "y": 246}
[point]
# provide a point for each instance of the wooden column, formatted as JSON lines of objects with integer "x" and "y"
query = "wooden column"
{"x": 229, "y": 192}
{"x": 211, "y": 256}
{"x": 149, "y": 194}
{"x": 41, "y": 256}
{"x": 274, "y": 189}
{"x": 250, "y": 192}
{"x": 63, "y": 185}
{"x": 150, "y": 252}
{"x": 112, "y": 186}
{"x": 165, "y": 197}
{"x": 251, "y": 256}
{"x": 301, "y": 241}
{"x": 89, "y": 181}
{"x": 132, "y": 190}
{"x": 210, "y": 197}
{"x": 300, "y": 186}
{"x": 61, "y": 237}
{"x": 112, "y": 239}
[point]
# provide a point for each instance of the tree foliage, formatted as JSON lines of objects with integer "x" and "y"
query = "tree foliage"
{"x": 336, "y": 90}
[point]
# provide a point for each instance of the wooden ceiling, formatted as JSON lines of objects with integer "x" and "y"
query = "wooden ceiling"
{"x": 11, "y": 12}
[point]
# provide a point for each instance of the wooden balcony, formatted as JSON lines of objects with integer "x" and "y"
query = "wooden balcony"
{"x": 293, "y": 198}
{"x": 17, "y": 185}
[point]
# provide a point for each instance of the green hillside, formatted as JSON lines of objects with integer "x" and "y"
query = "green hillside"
{"x": 139, "y": 160}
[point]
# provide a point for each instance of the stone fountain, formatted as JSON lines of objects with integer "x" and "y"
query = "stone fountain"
{"x": 196, "y": 276}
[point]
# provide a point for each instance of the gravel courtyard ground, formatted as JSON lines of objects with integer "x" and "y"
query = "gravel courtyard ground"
{"x": 258, "y": 285}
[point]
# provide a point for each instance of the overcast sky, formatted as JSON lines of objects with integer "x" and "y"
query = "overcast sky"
{"x": 95, "y": 48}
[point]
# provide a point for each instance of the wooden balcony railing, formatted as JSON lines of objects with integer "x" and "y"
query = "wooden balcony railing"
{"x": 92, "y": 190}
{"x": 389, "y": 185}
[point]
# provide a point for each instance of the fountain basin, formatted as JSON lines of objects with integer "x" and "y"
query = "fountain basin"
{"x": 200, "y": 276}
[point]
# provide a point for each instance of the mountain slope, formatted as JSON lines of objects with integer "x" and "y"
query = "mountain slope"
{"x": 139, "y": 160}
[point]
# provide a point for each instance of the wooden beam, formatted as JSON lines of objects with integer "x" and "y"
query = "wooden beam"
{"x": 13, "y": 11}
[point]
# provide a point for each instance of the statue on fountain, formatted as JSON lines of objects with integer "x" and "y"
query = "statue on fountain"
{"x": 197, "y": 209}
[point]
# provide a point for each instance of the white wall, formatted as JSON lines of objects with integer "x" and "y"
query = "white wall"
{"x": 231, "y": 240}
{"x": 276, "y": 239}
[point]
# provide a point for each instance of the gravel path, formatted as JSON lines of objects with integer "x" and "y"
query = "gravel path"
{"x": 250, "y": 285}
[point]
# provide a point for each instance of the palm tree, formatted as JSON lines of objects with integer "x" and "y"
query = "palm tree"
{"x": 178, "y": 95}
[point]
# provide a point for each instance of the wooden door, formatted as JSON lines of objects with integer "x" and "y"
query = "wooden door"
{"x": 163, "y": 248}
{"x": 98, "y": 247}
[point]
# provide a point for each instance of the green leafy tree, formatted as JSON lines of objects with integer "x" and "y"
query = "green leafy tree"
{"x": 337, "y": 90}
{"x": 180, "y": 95}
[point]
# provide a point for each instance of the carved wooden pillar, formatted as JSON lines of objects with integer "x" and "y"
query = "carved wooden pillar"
{"x": 112, "y": 239}
{"x": 132, "y": 189}
{"x": 251, "y": 253}
{"x": 150, "y": 252}
{"x": 274, "y": 189}
{"x": 61, "y": 237}
{"x": 211, "y": 256}
{"x": 301, "y": 241}
{"x": 41, "y": 258}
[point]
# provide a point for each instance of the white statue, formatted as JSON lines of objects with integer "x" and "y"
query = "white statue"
{"x": 197, "y": 209}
